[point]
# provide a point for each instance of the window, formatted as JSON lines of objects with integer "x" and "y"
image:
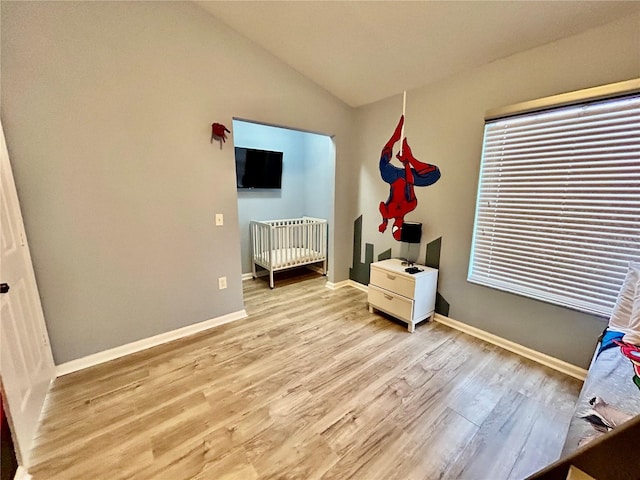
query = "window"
{"x": 558, "y": 207}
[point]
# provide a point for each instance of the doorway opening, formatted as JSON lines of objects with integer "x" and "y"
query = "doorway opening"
{"x": 307, "y": 183}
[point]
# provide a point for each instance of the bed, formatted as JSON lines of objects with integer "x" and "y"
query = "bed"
{"x": 288, "y": 243}
{"x": 610, "y": 395}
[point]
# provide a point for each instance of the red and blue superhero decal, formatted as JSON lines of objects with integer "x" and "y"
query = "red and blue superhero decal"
{"x": 402, "y": 198}
{"x": 632, "y": 352}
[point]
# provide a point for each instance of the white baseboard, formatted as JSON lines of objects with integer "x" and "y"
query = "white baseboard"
{"x": 249, "y": 276}
{"x": 139, "y": 345}
{"x": 336, "y": 286}
{"x": 21, "y": 474}
{"x": 347, "y": 283}
{"x": 359, "y": 286}
{"x": 538, "y": 357}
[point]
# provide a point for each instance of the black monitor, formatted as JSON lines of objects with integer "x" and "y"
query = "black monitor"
{"x": 258, "y": 168}
{"x": 411, "y": 232}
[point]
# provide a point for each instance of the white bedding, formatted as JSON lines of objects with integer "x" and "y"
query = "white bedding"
{"x": 287, "y": 257}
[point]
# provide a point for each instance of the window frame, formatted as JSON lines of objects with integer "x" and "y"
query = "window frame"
{"x": 539, "y": 108}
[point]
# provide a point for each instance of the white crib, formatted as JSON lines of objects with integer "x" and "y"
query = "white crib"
{"x": 281, "y": 244}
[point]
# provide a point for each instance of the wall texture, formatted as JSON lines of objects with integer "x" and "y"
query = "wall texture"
{"x": 107, "y": 108}
{"x": 307, "y": 178}
{"x": 444, "y": 126}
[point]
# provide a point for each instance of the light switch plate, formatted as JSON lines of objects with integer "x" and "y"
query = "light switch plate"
{"x": 219, "y": 219}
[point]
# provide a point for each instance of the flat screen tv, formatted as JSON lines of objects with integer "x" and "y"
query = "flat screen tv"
{"x": 258, "y": 168}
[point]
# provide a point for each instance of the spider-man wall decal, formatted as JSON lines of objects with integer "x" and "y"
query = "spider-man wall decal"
{"x": 414, "y": 173}
{"x": 219, "y": 133}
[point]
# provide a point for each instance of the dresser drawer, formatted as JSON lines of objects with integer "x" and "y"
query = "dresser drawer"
{"x": 393, "y": 304}
{"x": 393, "y": 282}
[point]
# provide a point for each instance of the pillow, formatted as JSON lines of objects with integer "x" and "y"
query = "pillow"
{"x": 632, "y": 335}
{"x": 621, "y": 315}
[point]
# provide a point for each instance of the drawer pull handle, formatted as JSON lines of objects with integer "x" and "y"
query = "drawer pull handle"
{"x": 388, "y": 297}
{"x": 391, "y": 277}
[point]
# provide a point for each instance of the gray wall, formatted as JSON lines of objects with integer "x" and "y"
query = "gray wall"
{"x": 444, "y": 126}
{"x": 307, "y": 178}
{"x": 107, "y": 109}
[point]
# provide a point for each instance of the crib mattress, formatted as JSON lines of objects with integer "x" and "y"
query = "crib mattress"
{"x": 287, "y": 257}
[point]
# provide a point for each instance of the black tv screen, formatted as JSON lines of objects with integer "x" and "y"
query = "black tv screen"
{"x": 258, "y": 168}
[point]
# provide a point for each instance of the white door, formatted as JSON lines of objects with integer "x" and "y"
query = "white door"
{"x": 26, "y": 363}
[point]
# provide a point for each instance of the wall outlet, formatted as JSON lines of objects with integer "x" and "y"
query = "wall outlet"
{"x": 219, "y": 219}
{"x": 222, "y": 283}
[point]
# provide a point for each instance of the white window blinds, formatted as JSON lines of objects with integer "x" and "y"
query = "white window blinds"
{"x": 558, "y": 208}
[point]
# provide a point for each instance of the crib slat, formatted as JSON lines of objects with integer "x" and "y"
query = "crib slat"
{"x": 292, "y": 244}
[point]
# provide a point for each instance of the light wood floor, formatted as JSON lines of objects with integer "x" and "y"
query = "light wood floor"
{"x": 310, "y": 386}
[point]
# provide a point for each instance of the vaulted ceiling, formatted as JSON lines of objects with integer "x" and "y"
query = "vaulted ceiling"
{"x": 363, "y": 51}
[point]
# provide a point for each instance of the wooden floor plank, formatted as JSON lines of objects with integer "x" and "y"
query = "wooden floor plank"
{"x": 309, "y": 386}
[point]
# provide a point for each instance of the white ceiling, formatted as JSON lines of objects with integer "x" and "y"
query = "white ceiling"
{"x": 364, "y": 51}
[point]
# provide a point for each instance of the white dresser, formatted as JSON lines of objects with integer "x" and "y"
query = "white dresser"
{"x": 408, "y": 297}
